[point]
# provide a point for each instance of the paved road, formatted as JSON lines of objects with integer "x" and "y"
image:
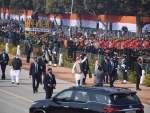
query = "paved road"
{"x": 18, "y": 98}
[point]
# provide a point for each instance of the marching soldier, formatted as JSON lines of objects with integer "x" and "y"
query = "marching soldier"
{"x": 124, "y": 69}
{"x": 146, "y": 45}
{"x": 70, "y": 48}
{"x": 55, "y": 52}
{"x": 101, "y": 44}
{"x": 118, "y": 46}
{"x": 50, "y": 54}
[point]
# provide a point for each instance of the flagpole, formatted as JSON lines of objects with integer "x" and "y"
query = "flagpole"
{"x": 71, "y": 17}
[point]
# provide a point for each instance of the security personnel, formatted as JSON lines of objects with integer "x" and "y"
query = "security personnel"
{"x": 4, "y": 59}
{"x": 49, "y": 83}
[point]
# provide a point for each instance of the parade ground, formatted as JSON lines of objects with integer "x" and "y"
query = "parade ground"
{"x": 18, "y": 98}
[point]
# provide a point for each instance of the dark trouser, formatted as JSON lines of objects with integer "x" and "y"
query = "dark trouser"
{"x": 3, "y": 68}
{"x": 50, "y": 57}
{"x": 43, "y": 73}
{"x": 36, "y": 77}
{"x": 85, "y": 74}
{"x": 112, "y": 78}
{"x": 70, "y": 52}
{"x": 55, "y": 59}
{"x": 74, "y": 53}
{"x": 28, "y": 56}
{"x": 137, "y": 81}
{"x": 49, "y": 92}
{"x": 106, "y": 78}
{"x": 124, "y": 75}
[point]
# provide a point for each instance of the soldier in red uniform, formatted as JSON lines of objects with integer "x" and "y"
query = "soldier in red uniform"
{"x": 146, "y": 45}
{"x": 118, "y": 46}
{"x": 101, "y": 44}
{"x": 106, "y": 44}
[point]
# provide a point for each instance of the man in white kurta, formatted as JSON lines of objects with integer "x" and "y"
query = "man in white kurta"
{"x": 16, "y": 69}
{"x": 77, "y": 70}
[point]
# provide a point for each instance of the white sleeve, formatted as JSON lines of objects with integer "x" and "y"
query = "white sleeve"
{"x": 84, "y": 60}
{"x": 73, "y": 69}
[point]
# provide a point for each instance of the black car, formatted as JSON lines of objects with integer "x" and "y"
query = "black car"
{"x": 90, "y": 100}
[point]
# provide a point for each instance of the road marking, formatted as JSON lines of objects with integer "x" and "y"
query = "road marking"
{"x": 16, "y": 95}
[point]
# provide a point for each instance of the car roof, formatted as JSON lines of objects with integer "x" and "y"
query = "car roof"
{"x": 106, "y": 90}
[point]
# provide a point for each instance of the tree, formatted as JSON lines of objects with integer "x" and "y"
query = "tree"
{"x": 4, "y": 4}
{"x": 138, "y": 8}
{"x": 55, "y": 7}
{"x": 97, "y": 7}
{"x": 39, "y": 5}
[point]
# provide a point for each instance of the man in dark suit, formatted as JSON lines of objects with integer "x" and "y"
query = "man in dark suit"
{"x": 138, "y": 70}
{"x": 113, "y": 72}
{"x": 49, "y": 83}
{"x": 4, "y": 59}
{"x": 42, "y": 63}
{"x": 85, "y": 66}
{"x": 28, "y": 50}
{"x": 35, "y": 72}
{"x": 105, "y": 68}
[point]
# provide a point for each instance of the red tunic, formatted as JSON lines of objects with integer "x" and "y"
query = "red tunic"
{"x": 100, "y": 44}
{"x": 106, "y": 44}
{"x": 81, "y": 42}
{"x": 118, "y": 46}
{"x": 146, "y": 45}
{"x": 66, "y": 43}
{"x": 132, "y": 44}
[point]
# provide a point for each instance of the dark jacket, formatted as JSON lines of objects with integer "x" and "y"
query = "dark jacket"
{"x": 16, "y": 63}
{"x": 28, "y": 49}
{"x": 42, "y": 62}
{"x": 3, "y": 60}
{"x": 99, "y": 77}
{"x": 85, "y": 65}
{"x": 48, "y": 80}
{"x": 32, "y": 69}
{"x": 138, "y": 70}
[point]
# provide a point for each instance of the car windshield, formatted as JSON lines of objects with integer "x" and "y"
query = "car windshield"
{"x": 124, "y": 99}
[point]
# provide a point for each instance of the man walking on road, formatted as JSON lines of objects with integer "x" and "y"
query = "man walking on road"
{"x": 49, "y": 83}
{"x": 16, "y": 69}
{"x": 42, "y": 63}
{"x": 35, "y": 72}
{"x": 4, "y": 59}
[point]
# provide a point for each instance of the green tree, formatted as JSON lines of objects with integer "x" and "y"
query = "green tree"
{"x": 97, "y": 7}
{"x": 138, "y": 8}
{"x": 4, "y": 4}
{"x": 39, "y": 5}
{"x": 55, "y": 7}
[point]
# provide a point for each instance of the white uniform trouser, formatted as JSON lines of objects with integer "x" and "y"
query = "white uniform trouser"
{"x": 16, "y": 77}
{"x": 79, "y": 83}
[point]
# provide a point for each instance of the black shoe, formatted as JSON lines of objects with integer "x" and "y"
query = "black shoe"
{"x": 17, "y": 83}
{"x": 33, "y": 91}
{"x": 84, "y": 83}
{"x": 36, "y": 90}
{"x": 138, "y": 89}
{"x": 12, "y": 82}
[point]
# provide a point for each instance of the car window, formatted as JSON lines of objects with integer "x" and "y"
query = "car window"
{"x": 101, "y": 98}
{"x": 81, "y": 96}
{"x": 124, "y": 99}
{"x": 64, "y": 96}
